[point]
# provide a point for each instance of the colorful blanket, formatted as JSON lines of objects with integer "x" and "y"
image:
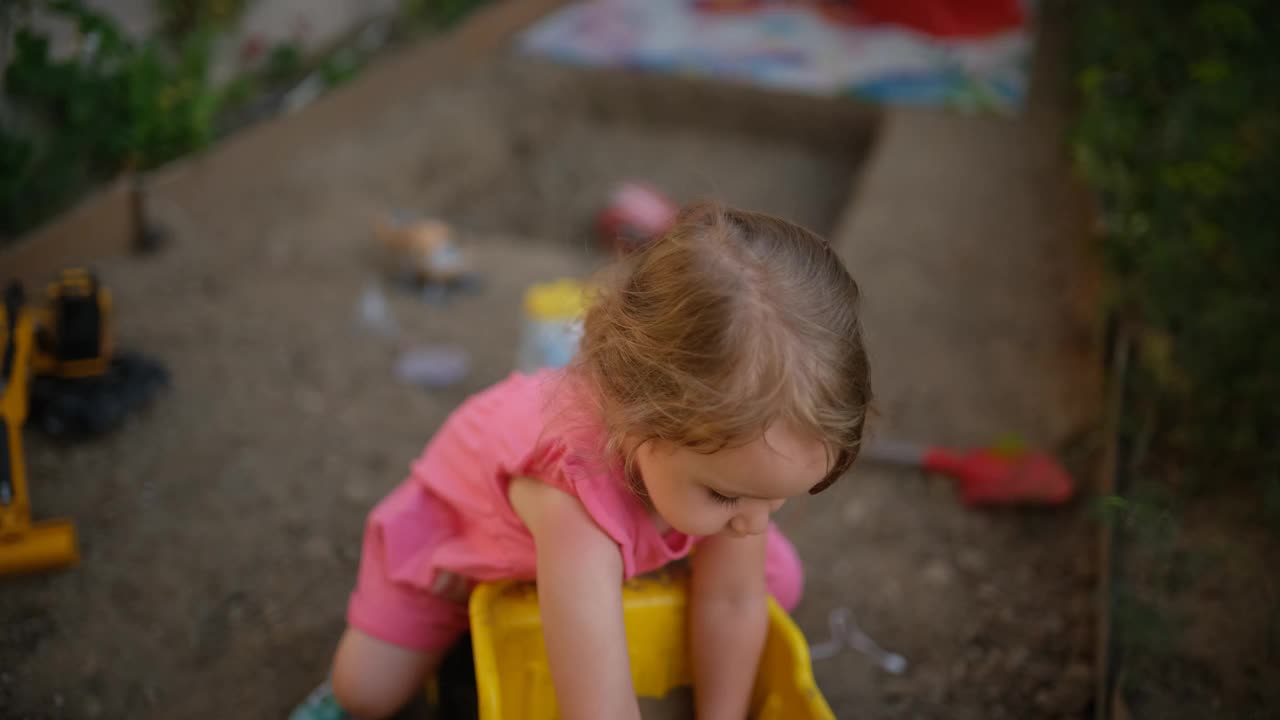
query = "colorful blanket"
{"x": 791, "y": 47}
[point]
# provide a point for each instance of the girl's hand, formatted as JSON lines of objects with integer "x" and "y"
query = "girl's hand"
{"x": 728, "y": 620}
{"x": 580, "y": 598}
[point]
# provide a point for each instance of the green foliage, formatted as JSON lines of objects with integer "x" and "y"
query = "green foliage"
{"x": 1179, "y": 133}
{"x": 183, "y": 17}
{"x": 111, "y": 106}
{"x": 438, "y": 13}
{"x": 340, "y": 67}
{"x": 34, "y": 184}
{"x": 1143, "y": 629}
{"x": 284, "y": 64}
{"x": 118, "y": 105}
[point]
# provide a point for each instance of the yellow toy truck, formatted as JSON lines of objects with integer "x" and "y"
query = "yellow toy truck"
{"x": 513, "y": 680}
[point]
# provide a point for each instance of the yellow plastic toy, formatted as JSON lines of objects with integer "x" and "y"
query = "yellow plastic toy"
{"x": 563, "y": 299}
{"x": 513, "y": 679}
{"x": 552, "y": 324}
{"x": 25, "y": 546}
{"x": 73, "y": 327}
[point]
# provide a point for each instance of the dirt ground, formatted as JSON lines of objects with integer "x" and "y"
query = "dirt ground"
{"x": 220, "y": 528}
{"x": 1197, "y": 607}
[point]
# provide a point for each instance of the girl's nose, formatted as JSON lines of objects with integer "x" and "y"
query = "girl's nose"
{"x": 753, "y": 520}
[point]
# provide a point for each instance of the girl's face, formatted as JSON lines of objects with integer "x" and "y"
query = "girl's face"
{"x": 732, "y": 491}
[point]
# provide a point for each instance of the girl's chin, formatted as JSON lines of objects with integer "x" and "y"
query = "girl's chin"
{"x": 664, "y": 526}
{"x": 686, "y": 530}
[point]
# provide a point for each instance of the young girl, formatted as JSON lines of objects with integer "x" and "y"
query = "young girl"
{"x": 721, "y": 374}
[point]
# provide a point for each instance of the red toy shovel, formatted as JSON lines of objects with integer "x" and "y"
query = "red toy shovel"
{"x": 986, "y": 476}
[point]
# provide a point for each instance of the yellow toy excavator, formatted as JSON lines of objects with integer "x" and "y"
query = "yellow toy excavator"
{"x": 25, "y": 546}
{"x": 73, "y": 333}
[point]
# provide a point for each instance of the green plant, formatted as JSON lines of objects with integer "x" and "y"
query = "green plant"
{"x": 340, "y": 67}
{"x": 34, "y": 184}
{"x": 1179, "y": 133}
{"x": 438, "y": 13}
{"x": 182, "y": 17}
{"x": 113, "y": 105}
{"x": 284, "y": 64}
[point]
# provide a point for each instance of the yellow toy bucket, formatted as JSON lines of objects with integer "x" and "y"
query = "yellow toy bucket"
{"x": 513, "y": 680}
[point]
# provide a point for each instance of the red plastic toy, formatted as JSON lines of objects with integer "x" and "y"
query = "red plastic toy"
{"x": 987, "y": 476}
{"x": 636, "y": 213}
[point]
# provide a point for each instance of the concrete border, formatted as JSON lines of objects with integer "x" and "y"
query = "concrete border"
{"x": 486, "y": 30}
{"x": 104, "y": 224}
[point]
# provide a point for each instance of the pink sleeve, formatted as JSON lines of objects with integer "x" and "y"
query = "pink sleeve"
{"x": 599, "y": 490}
{"x": 544, "y": 463}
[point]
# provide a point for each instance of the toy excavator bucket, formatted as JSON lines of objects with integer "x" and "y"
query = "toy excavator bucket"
{"x": 43, "y": 546}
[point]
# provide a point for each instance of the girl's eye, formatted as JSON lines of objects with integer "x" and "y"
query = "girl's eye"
{"x": 722, "y": 499}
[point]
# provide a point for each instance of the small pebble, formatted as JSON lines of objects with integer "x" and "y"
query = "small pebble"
{"x": 1017, "y": 657}
{"x": 1083, "y": 567}
{"x": 279, "y": 251}
{"x": 854, "y": 512}
{"x": 1054, "y": 624}
{"x": 271, "y": 613}
{"x": 357, "y": 492}
{"x": 971, "y": 560}
{"x": 310, "y": 400}
{"x": 1044, "y": 700}
{"x": 991, "y": 662}
{"x": 891, "y": 591}
{"x": 318, "y": 548}
{"x": 938, "y": 573}
{"x": 897, "y": 686}
{"x": 1079, "y": 672}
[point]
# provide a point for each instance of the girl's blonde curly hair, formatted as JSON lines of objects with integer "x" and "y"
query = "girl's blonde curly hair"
{"x": 729, "y": 322}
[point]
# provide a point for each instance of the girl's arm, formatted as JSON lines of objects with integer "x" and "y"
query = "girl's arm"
{"x": 580, "y": 599}
{"x": 728, "y": 620}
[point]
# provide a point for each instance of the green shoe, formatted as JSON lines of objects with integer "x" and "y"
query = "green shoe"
{"x": 320, "y": 705}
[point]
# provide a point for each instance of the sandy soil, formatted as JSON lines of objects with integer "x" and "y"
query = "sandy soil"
{"x": 220, "y": 528}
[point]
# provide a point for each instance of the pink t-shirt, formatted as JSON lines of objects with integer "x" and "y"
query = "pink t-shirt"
{"x": 525, "y": 426}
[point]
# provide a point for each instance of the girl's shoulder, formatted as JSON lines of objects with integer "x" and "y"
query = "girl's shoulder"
{"x": 526, "y": 414}
{"x": 541, "y": 398}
